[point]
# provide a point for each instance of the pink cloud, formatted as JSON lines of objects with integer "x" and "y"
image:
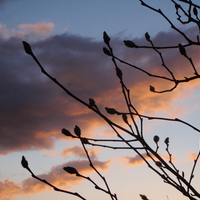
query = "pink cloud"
{"x": 57, "y": 176}
{"x": 134, "y": 160}
{"x": 78, "y": 151}
{"x": 191, "y": 156}
{"x": 137, "y": 160}
{"x": 8, "y": 189}
{"x": 27, "y": 31}
{"x": 41, "y": 29}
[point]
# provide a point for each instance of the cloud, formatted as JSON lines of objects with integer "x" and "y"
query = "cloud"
{"x": 191, "y": 156}
{"x": 50, "y": 154}
{"x": 41, "y": 29}
{"x": 8, "y": 189}
{"x": 137, "y": 160}
{"x": 29, "y": 32}
{"x": 57, "y": 177}
{"x": 78, "y": 151}
{"x": 34, "y": 109}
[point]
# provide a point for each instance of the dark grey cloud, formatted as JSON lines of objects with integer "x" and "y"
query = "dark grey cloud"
{"x": 34, "y": 109}
{"x": 30, "y": 103}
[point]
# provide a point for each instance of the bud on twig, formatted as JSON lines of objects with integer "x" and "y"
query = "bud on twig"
{"x": 66, "y": 132}
{"x": 182, "y": 50}
{"x": 27, "y": 48}
{"x": 158, "y": 164}
{"x": 24, "y": 162}
{"x": 92, "y": 102}
{"x": 77, "y": 131}
{"x": 130, "y": 44}
{"x": 143, "y": 197}
{"x": 106, "y": 38}
{"x": 111, "y": 111}
{"x": 119, "y": 72}
{"x": 167, "y": 141}
{"x": 71, "y": 170}
{"x": 152, "y": 89}
{"x": 195, "y": 11}
{"x": 156, "y": 139}
{"x": 106, "y": 51}
{"x": 124, "y": 117}
{"x": 147, "y": 36}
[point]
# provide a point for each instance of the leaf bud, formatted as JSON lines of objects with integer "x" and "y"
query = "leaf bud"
{"x": 27, "y": 48}
{"x": 195, "y": 11}
{"x": 167, "y": 141}
{"x": 147, "y": 36}
{"x": 182, "y": 50}
{"x": 106, "y": 38}
{"x": 152, "y": 89}
{"x": 24, "y": 162}
{"x": 77, "y": 131}
{"x": 111, "y": 111}
{"x": 119, "y": 72}
{"x": 156, "y": 139}
{"x": 66, "y": 132}
{"x": 106, "y": 51}
{"x": 124, "y": 117}
{"x": 143, "y": 197}
{"x": 92, "y": 102}
{"x": 130, "y": 44}
{"x": 71, "y": 170}
{"x": 158, "y": 164}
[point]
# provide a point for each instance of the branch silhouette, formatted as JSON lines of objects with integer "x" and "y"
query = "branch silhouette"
{"x": 132, "y": 119}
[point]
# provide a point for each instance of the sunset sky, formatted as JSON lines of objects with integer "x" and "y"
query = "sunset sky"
{"x": 67, "y": 38}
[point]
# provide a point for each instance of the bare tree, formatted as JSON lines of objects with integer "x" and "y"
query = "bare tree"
{"x": 187, "y": 13}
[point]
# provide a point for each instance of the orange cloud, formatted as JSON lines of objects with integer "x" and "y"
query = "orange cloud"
{"x": 42, "y": 29}
{"x": 79, "y": 64}
{"x": 27, "y": 31}
{"x": 57, "y": 176}
{"x": 137, "y": 160}
{"x": 191, "y": 156}
{"x": 78, "y": 151}
{"x": 8, "y": 189}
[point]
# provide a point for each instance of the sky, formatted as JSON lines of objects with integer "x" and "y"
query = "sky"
{"x": 67, "y": 38}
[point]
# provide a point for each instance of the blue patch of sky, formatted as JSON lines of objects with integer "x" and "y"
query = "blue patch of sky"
{"x": 88, "y": 18}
